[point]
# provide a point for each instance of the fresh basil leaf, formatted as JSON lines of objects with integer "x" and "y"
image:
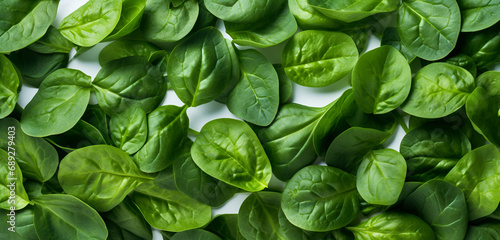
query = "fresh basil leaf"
{"x": 200, "y": 67}
{"x": 59, "y": 103}
{"x": 167, "y": 128}
{"x": 170, "y": 210}
{"x": 255, "y": 98}
{"x": 477, "y": 175}
{"x": 24, "y": 22}
{"x": 320, "y": 198}
{"x": 438, "y": 90}
{"x": 100, "y": 175}
{"x": 429, "y": 28}
{"x": 59, "y": 216}
{"x": 316, "y": 58}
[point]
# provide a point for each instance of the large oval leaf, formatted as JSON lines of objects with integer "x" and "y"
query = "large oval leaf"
{"x": 438, "y": 90}
{"x": 58, "y": 105}
{"x": 479, "y": 14}
{"x": 243, "y": 11}
{"x": 441, "y": 205}
{"x": 200, "y": 67}
{"x": 429, "y": 28}
{"x": 229, "y": 150}
{"x": 24, "y": 22}
{"x": 100, "y": 175}
{"x": 319, "y": 58}
{"x": 381, "y": 80}
{"x": 92, "y": 22}
{"x": 320, "y": 198}
{"x": 353, "y": 10}
{"x": 69, "y": 218}
{"x": 255, "y": 98}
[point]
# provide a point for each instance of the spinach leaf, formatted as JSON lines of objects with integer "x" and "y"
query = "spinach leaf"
{"x": 205, "y": 18}
{"x": 52, "y": 42}
{"x": 100, "y": 175}
{"x": 167, "y": 128}
{"x": 235, "y": 73}
{"x": 228, "y": 149}
{"x": 308, "y": 17}
{"x": 478, "y": 15}
{"x": 130, "y": 19}
{"x": 12, "y": 192}
{"x": 353, "y": 10}
{"x": 36, "y": 157}
{"x": 441, "y": 205}
{"x": 289, "y": 231}
{"x": 381, "y": 176}
{"x": 35, "y": 67}
{"x": 59, "y": 103}
{"x": 170, "y": 210}
{"x": 393, "y": 225}
{"x": 129, "y": 130}
{"x": 483, "y": 106}
{"x": 431, "y": 151}
{"x": 165, "y": 178}
{"x": 9, "y": 86}
{"x": 487, "y": 231}
{"x": 225, "y": 226}
{"x": 391, "y": 37}
{"x": 258, "y": 216}
{"x": 316, "y": 58}
{"x": 381, "y": 80}
{"x": 243, "y": 11}
{"x": 81, "y": 135}
{"x": 463, "y": 61}
{"x": 19, "y": 27}
{"x": 429, "y": 28}
{"x": 126, "y": 48}
{"x": 320, "y": 198}
{"x": 195, "y": 234}
{"x": 477, "y": 174}
{"x": 285, "y": 84}
{"x": 96, "y": 117}
{"x": 128, "y": 217}
{"x": 129, "y": 81}
{"x": 163, "y": 22}
{"x": 438, "y": 90}
{"x": 200, "y": 67}
{"x": 348, "y": 149}
{"x": 201, "y": 186}
{"x": 255, "y": 98}
{"x": 267, "y": 33}
{"x": 482, "y": 46}
{"x": 92, "y": 22}
{"x": 59, "y": 216}
{"x": 24, "y": 228}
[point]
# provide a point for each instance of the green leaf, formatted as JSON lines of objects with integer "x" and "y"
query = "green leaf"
{"x": 170, "y": 210}
{"x": 225, "y": 226}
{"x": 9, "y": 86}
{"x": 92, "y": 22}
{"x": 37, "y": 158}
{"x": 393, "y": 225}
{"x": 24, "y": 227}
{"x": 195, "y": 234}
{"x": 441, "y": 205}
{"x": 126, "y": 48}
{"x": 477, "y": 174}
{"x": 438, "y": 89}
{"x": 316, "y": 58}
{"x": 429, "y": 28}
{"x": 308, "y": 17}
{"x": 58, "y": 105}
{"x": 167, "y": 128}
{"x": 12, "y": 192}
{"x": 200, "y": 67}
{"x": 391, "y": 37}
{"x": 100, "y": 175}
{"x": 19, "y": 27}
{"x": 255, "y": 98}
{"x": 59, "y": 216}
{"x": 381, "y": 176}
{"x": 243, "y": 11}
{"x": 353, "y": 10}
{"x": 482, "y": 46}
{"x": 478, "y": 14}
{"x": 128, "y": 217}
{"x": 258, "y": 216}
{"x": 130, "y": 19}
{"x": 52, "y": 42}
{"x": 228, "y": 149}
{"x": 381, "y": 80}
{"x": 129, "y": 130}
{"x": 320, "y": 198}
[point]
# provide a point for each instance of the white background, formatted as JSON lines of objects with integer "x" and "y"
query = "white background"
{"x": 198, "y": 116}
